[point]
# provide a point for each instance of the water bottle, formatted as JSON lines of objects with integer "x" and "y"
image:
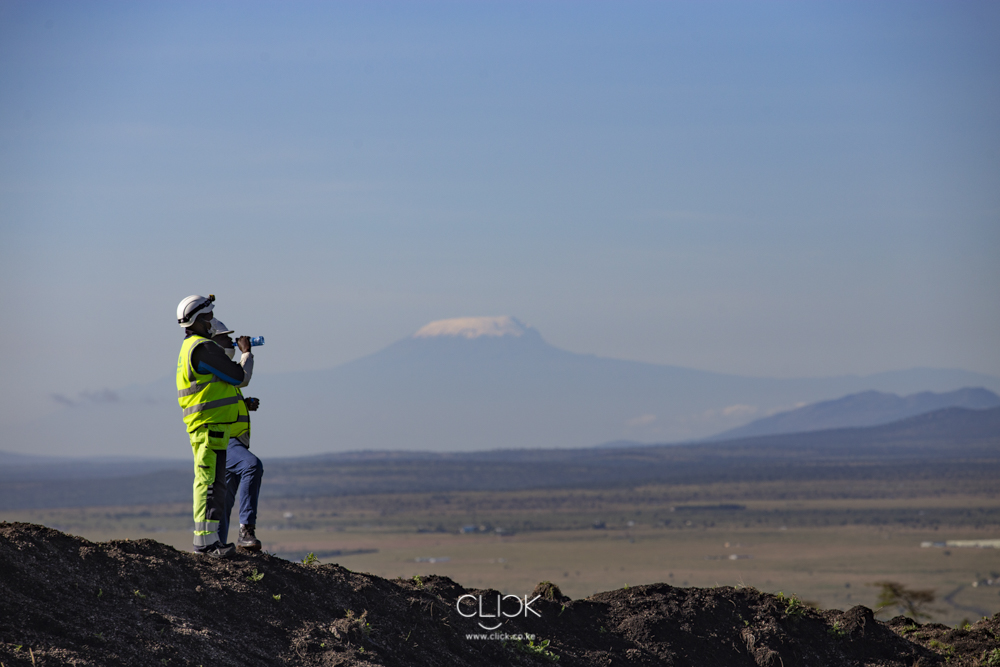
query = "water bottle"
{"x": 256, "y": 340}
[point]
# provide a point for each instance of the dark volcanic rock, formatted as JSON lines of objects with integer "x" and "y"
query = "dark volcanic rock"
{"x": 64, "y": 600}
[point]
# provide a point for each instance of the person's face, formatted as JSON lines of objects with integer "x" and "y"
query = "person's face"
{"x": 202, "y": 324}
{"x": 223, "y": 339}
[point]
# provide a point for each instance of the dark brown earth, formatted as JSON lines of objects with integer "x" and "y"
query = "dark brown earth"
{"x": 67, "y": 601}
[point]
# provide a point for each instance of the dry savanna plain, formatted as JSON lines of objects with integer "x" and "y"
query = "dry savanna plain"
{"x": 825, "y": 541}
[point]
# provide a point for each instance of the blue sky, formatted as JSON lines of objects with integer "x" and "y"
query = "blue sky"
{"x": 779, "y": 189}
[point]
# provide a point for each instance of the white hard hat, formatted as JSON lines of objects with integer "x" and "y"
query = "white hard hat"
{"x": 217, "y": 327}
{"x": 191, "y": 307}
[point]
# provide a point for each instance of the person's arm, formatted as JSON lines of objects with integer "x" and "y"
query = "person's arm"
{"x": 210, "y": 358}
{"x": 246, "y": 359}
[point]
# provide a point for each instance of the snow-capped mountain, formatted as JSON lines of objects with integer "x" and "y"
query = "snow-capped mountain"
{"x": 470, "y": 383}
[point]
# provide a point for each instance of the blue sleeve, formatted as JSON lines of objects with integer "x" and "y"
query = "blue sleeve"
{"x": 210, "y": 358}
{"x": 205, "y": 368}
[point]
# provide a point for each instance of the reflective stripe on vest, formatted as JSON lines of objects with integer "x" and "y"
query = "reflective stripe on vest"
{"x": 204, "y": 399}
{"x": 195, "y": 388}
{"x": 218, "y": 403}
{"x": 242, "y": 424}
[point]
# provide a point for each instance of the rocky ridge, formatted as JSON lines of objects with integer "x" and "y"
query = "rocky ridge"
{"x": 67, "y": 601}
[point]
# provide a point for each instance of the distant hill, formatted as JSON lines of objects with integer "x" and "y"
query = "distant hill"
{"x": 868, "y": 408}
{"x": 951, "y": 443}
{"x": 466, "y": 384}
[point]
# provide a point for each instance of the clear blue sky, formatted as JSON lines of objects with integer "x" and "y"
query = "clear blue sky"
{"x": 778, "y": 189}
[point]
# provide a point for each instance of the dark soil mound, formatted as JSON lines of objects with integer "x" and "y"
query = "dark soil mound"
{"x": 64, "y": 600}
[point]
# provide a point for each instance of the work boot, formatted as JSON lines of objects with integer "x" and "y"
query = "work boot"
{"x": 218, "y": 550}
{"x": 247, "y": 539}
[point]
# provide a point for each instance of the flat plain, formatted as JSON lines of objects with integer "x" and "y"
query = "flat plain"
{"x": 826, "y": 542}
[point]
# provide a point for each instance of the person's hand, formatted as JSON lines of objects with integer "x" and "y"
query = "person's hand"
{"x": 252, "y": 403}
{"x": 243, "y": 342}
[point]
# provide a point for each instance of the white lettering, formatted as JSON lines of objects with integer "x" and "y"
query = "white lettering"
{"x": 458, "y": 605}
{"x": 527, "y": 606}
{"x": 518, "y": 612}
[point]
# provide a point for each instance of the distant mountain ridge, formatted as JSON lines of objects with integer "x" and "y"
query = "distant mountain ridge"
{"x": 868, "y": 408}
{"x": 461, "y": 385}
{"x": 952, "y": 441}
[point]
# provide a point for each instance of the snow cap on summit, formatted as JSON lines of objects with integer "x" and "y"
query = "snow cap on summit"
{"x": 473, "y": 327}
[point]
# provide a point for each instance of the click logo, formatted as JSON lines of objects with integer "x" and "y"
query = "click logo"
{"x": 492, "y": 613}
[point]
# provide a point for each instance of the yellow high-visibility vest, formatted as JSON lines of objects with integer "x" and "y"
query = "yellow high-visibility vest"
{"x": 204, "y": 398}
{"x": 242, "y": 424}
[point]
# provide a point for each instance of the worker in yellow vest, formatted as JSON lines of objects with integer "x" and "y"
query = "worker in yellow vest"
{"x": 207, "y": 382}
{"x": 244, "y": 470}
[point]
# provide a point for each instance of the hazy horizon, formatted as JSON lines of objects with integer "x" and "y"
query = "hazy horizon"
{"x": 766, "y": 190}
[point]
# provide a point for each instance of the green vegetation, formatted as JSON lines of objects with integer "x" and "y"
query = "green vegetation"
{"x": 255, "y": 576}
{"x": 947, "y": 649}
{"x": 908, "y": 601}
{"x": 822, "y": 538}
{"x": 992, "y": 659}
{"x": 310, "y": 559}
{"x": 541, "y": 649}
{"x": 836, "y": 630}
{"x": 276, "y": 597}
{"x": 793, "y": 606}
{"x": 139, "y": 594}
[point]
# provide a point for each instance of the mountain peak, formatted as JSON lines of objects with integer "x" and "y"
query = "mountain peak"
{"x": 473, "y": 327}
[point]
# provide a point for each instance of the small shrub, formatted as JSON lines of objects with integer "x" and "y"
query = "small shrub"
{"x": 418, "y": 581}
{"x": 310, "y": 559}
{"x": 793, "y": 605}
{"x": 541, "y": 649}
{"x": 910, "y": 602}
{"x": 947, "y": 649}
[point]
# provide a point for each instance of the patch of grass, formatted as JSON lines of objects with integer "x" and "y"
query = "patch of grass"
{"x": 992, "y": 659}
{"x": 255, "y": 576}
{"x": 947, "y": 649}
{"x": 908, "y": 629}
{"x": 418, "y": 581}
{"x": 836, "y": 630}
{"x": 793, "y": 605}
{"x": 541, "y": 649}
{"x": 310, "y": 559}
